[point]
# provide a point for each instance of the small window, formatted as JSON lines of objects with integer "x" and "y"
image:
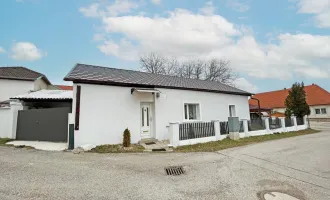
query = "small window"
{"x": 232, "y": 111}
{"x": 324, "y": 111}
{"x": 317, "y": 111}
{"x": 191, "y": 112}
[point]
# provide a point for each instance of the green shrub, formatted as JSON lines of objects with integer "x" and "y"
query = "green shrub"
{"x": 127, "y": 138}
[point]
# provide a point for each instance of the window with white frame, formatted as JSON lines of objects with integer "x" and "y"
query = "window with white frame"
{"x": 319, "y": 111}
{"x": 232, "y": 111}
{"x": 323, "y": 110}
{"x": 192, "y": 111}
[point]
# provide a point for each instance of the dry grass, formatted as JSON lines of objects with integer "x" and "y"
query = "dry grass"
{"x": 228, "y": 143}
{"x": 117, "y": 149}
{"x": 3, "y": 141}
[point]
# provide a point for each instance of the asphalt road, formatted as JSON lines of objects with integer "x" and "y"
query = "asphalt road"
{"x": 297, "y": 166}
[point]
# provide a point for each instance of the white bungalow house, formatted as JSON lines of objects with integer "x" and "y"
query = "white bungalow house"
{"x": 106, "y": 101}
{"x": 20, "y": 80}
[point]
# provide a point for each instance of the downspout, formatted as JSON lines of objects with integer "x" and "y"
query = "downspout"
{"x": 258, "y": 106}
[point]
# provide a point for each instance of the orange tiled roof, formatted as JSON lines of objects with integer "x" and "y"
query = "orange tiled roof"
{"x": 65, "y": 87}
{"x": 315, "y": 95}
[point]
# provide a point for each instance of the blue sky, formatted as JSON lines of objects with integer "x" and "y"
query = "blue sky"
{"x": 271, "y": 44}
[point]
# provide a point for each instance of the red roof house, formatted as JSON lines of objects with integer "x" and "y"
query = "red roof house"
{"x": 64, "y": 87}
{"x": 317, "y": 98}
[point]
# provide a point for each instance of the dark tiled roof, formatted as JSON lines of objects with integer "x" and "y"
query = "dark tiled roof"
{"x": 20, "y": 73}
{"x": 103, "y": 75}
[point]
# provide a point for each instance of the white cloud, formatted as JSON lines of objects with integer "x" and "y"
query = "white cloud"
{"x": 124, "y": 49}
{"x": 208, "y": 9}
{"x": 98, "y": 37}
{"x": 104, "y": 9}
{"x": 240, "y": 6}
{"x": 91, "y": 11}
{"x": 156, "y": 2}
{"x": 319, "y": 8}
{"x": 2, "y": 50}
{"x": 245, "y": 85}
{"x": 186, "y": 34}
{"x": 312, "y": 72}
{"x": 26, "y": 51}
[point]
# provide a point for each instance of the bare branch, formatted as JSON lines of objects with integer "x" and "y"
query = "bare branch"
{"x": 212, "y": 70}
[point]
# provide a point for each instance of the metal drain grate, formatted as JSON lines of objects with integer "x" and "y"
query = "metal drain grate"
{"x": 174, "y": 171}
{"x": 159, "y": 149}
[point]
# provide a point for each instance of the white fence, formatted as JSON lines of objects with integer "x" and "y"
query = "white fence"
{"x": 176, "y": 135}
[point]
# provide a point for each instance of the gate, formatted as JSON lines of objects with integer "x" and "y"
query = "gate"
{"x": 43, "y": 124}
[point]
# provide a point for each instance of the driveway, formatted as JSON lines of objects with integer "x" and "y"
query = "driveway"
{"x": 297, "y": 166}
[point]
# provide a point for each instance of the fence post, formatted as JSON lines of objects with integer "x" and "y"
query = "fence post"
{"x": 283, "y": 123}
{"x": 306, "y": 122}
{"x": 14, "y": 108}
{"x": 294, "y": 119}
{"x": 217, "y": 129}
{"x": 267, "y": 124}
{"x": 246, "y": 127}
{"x": 174, "y": 134}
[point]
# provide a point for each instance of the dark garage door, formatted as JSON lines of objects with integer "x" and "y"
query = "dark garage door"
{"x": 43, "y": 124}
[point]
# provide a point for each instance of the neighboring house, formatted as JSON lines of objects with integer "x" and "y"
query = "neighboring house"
{"x": 317, "y": 98}
{"x": 254, "y": 111}
{"x": 106, "y": 101}
{"x": 19, "y": 80}
{"x": 64, "y": 87}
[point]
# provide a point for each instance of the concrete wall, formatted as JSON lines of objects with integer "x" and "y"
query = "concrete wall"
{"x": 8, "y": 120}
{"x": 11, "y": 88}
{"x": 105, "y": 111}
{"x": 5, "y": 122}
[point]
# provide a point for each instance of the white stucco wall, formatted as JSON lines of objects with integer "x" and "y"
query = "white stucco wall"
{"x": 40, "y": 84}
{"x": 280, "y": 110}
{"x": 11, "y": 88}
{"x": 213, "y": 106}
{"x": 312, "y": 108}
{"x": 314, "y": 115}
{"x": 105, "y": 111}
{"x": 5, "y": 122}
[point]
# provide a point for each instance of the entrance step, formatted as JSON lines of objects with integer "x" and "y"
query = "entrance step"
{"x": 155, "y": 145}
{"x": 148, "y": 140}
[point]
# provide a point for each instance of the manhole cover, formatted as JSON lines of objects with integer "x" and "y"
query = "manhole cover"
{"x": 276, "y": 196}
{"x": 174, "y": 171}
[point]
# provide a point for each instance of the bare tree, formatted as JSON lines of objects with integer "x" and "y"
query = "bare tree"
{"x": 153, "y": 63}
{"x": 212, "y": 70}
{"x": 218, "y": 70}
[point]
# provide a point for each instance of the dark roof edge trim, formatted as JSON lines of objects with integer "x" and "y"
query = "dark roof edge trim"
{"x": 18, "y": 79}
{"x": 153, "y": 86}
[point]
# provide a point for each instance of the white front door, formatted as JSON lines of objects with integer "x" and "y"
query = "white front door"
{"x": 146, "y": 119}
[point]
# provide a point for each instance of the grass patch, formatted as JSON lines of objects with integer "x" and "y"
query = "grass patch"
{"x": 3, "y": 141}
{"x": 117, "y": 149}
{"x": 228, "y": 143}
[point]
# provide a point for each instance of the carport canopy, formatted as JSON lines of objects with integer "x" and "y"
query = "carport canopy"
{"x": 46, "y": 95}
